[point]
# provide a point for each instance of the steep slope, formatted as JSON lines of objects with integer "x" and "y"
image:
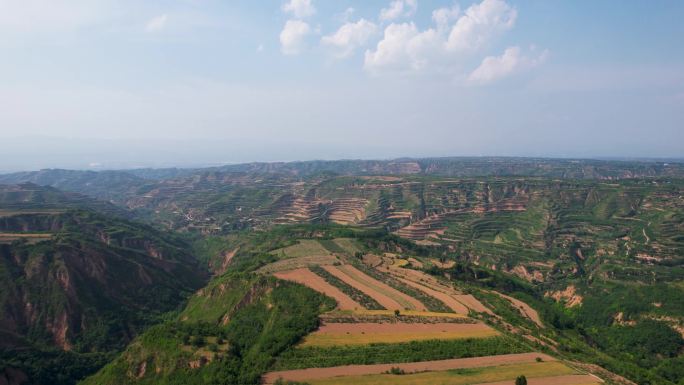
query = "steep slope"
{"x": 81, "y": 282}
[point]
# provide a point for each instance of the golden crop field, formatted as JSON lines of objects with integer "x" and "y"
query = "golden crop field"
{"x": 30, "y": 237}
{"x": 367, "y": 333}
{"x": 460, "y": 376}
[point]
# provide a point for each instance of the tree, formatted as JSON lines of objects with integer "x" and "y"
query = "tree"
{"x": 521, "y": 380}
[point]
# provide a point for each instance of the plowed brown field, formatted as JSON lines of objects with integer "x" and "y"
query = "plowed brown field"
{"x": 386, "y": 296}
{"x": 355, "y": 370}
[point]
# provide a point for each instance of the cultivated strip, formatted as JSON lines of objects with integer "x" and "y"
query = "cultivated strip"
{"x": 337, "y": 334}
{"x": 306, "y": 277}
{"x": 387, "y": 296}
{"x": 458, "y": 363}
{"x": 572, "y": 379}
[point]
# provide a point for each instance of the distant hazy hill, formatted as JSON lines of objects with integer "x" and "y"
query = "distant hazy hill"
{"x": 107, "y": 185}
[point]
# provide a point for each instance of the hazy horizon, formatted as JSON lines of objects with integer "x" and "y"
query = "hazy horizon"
{"x": 106, "y": 84}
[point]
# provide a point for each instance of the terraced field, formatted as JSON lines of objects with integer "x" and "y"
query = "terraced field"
{"x": 340, "y": 334}
{"x": 547, "y": 373}
{"x": 387, "y": 296}
{"x": 307, "y": 278}
{"x": 355, "y": 345}
{"x": 303, "y": 248}
{"x": 477, "y": 370}
{"x": 29, "y": 237}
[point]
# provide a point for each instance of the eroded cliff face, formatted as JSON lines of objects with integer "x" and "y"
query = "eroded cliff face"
{"x": 94, "y": 284}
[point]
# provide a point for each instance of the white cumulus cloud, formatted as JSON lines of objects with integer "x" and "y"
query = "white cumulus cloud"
{"x": 299, "y": 8}
{"x": 445, "y": 46}
{"x": 479, "y": 23}
{"x": 156, "y": 23}
{"x": 349, "y": 37}
{"x": 510, "y": 62}
{"x": 293, "y": 36}
{"x": 399, "y": 8}
{"x": 403, "y": 47}
{"x": 443, "y": 17}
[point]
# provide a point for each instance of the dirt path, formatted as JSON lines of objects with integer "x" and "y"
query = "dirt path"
{"x": 305, "y": 277}
{"x": 227, "y": 257}
{"x": 386, "y": 296}
{"x": 573, "y": 379}
{"x": 457, "y": 363}
{"x": 648, "y": 240}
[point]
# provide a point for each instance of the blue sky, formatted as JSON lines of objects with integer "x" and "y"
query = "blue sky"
{"x": 105, "y": 83}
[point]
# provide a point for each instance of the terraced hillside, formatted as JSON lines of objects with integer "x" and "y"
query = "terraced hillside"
{"x": 582, "y": 266}
{"x": 248, "y": 327}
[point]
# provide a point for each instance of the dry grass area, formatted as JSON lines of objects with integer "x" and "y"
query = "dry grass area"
{"x": 307, "y": 278}
{"x": 472, "y": 371}
{"x": 297, "y": 263}
{"x": 305, "y": 248}
{"x": 30, "y": 237}
{"x": 570, "y": 379}
{"x": 400, "y": 262}
{"x": 500, "y": 374}
{"x": 337, "y": 334}
{"x": 348, "y": 245}
{"x": 385, "y": 295}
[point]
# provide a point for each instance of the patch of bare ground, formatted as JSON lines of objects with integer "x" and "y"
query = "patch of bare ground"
{"x": 384, "y": 294}
{"x": 569, "y": 295}
{"x": 227, "y": 258}
{"x": 307, "y": 278}
{"x": 442, "y": 265}
{"x": 426, "y": 366}
{"x": 572, "y": 379}
{"x": 415, "y": 262}
{"x": 372, "y": 260}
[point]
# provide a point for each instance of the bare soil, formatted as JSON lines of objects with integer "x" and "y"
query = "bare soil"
{"x": 351, "y": 370}
{"x": 386, "y": 296}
